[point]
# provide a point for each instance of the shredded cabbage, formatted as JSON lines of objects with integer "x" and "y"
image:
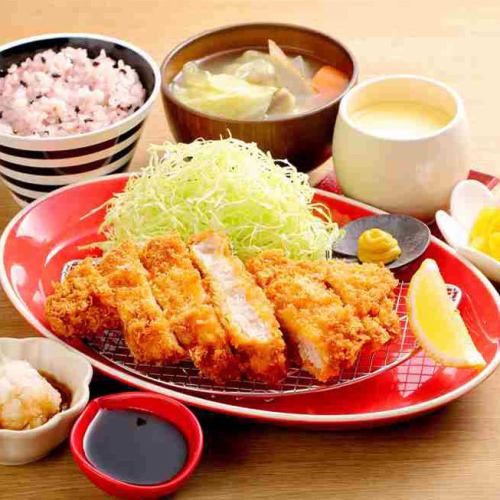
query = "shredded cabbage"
{"x": 222, "y": 184}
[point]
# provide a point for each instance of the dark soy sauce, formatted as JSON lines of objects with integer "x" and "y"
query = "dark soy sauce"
{"x": 135, "y": 447}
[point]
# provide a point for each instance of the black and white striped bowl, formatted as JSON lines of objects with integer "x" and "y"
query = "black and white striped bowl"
{"x": 33, "y": 166}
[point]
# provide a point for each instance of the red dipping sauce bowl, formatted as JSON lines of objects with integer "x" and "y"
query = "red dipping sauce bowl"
{"x": 160, "y": 406}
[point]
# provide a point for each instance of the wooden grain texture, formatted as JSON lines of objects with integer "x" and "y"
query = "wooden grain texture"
{"x": 453, "y": 454}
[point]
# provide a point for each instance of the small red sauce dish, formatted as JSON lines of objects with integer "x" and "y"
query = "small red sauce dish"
{"x": 153, "y": 407}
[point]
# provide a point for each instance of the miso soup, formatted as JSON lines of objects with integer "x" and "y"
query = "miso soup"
{"x": 257, "y": 84}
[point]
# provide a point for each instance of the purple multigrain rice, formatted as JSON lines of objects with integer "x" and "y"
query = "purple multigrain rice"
{"x": 47, "y": 94}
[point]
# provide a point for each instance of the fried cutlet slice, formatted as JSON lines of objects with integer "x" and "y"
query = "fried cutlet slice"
{"x": 324, "y": 330}
{"x": 178, "y": 289}
{"x": 82, "y": 304}
{"x": 241, "y": 306}
{"x": 370, "y": 290}
{"x": 145, "y": 328}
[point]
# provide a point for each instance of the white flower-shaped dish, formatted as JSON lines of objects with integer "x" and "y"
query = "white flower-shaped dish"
{"x": 467, "y": 199}
{"x": 68, "y": 368}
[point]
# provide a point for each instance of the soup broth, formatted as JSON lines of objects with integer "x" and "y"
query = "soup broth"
{"x": 255, "y": 84}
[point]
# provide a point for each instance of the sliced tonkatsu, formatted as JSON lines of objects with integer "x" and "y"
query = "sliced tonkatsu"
{"x": 178, "y": 289}
{"x": 145, "y": 328}
{"x": 173, "y": 301}
{"x": 82, "y": 305}
{"x": 242, "y": 307}
{"x": 327, "y": 316}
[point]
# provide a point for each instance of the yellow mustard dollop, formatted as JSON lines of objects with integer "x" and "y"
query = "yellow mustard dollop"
{"x": 375, "y": 245}
{"x": 485, "y": 233}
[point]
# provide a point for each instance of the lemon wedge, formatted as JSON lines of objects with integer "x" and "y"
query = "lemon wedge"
{"x": 436, "y": 323}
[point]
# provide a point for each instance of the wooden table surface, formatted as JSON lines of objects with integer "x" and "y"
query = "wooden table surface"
{"x": 452, "y": 454}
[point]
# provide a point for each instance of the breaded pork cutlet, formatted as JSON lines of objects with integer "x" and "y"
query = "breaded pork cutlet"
{"x": 369, "y": 289}
{"x": 145, "y": 328}
{"x": 82, "y": 304}
{"x": 326, "y": 325}
{"x": 241, "y": 306}
{"x": 178, "y": 289}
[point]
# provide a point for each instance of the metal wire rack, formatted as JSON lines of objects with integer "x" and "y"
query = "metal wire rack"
{"x": 186, "y": 377}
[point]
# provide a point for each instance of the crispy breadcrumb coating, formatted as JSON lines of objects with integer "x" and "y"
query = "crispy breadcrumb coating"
{"x": 81, "y": 305}
{"x": 328, "y": 309}
{"x": 145, "y": 328}
{"x": 172, "y": 300}
{"x": 241, "y": 306}
{"x": 369, "y": 289}
{"x": 178, "y": 289}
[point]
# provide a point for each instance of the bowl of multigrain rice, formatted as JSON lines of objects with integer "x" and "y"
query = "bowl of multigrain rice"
{"x": 72, "y": 107}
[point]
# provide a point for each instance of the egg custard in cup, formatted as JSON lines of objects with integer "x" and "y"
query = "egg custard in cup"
{"x": 401, "y": 143}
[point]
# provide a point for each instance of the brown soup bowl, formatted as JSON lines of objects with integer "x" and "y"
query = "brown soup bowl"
{"x": 304, "y": 139}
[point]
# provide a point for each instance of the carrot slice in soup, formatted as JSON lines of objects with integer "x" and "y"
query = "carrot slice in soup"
{"x": 329, "y": 80}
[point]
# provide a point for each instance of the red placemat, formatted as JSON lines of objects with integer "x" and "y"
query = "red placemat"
{"x": 329, "y": 182}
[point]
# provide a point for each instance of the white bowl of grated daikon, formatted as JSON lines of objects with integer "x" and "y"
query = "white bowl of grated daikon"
{"x": 62, "y": 368}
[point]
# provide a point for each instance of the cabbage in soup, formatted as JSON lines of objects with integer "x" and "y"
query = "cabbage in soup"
{"x": 257, "y": 85}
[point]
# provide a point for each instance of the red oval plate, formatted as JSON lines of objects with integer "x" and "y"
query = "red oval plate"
{"x": 46, "y": 234}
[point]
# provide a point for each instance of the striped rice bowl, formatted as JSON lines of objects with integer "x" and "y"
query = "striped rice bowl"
{"x": 89, "y": 141}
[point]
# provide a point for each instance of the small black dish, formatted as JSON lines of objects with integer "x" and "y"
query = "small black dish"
{"x": 413, "y": 236}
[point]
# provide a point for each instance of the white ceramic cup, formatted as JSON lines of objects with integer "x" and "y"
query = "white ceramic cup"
{"x": 412, "y": 176}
